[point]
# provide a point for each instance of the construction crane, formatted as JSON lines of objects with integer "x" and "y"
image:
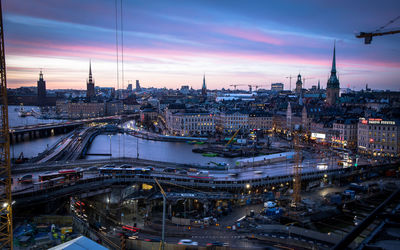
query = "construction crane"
{"x": 297, "y": 171}
{"x": 233, "y": 137}
{"x": 379, "y": 32}
{"x": 258, "y": 85}
{"x": 6, "y": 233}
{"x": 290, "y": 81}
{"x": 235, "y": 85}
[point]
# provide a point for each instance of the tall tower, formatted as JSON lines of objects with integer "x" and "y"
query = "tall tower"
{"x": 333, "y": 85}
{"x": 41, "y": 89}
{"x": 90, "y": 84}
{"x": 204, "y": 88}
{"x": 138, "y": 88}
{"x": 299, "y": 85}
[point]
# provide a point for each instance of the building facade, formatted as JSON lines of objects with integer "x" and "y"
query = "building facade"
{"x": 260, "y": 121}
{"x": 230, "y": 121}
{"x": 189, "y": 124}
{"x": 378, "y": 137}
{"x": 346, "y": 136}
{"x": 277, "y": 87}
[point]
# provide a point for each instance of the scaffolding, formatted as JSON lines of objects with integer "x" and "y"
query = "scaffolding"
{"x": 6, "y": 234}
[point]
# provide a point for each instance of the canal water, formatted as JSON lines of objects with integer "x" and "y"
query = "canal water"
{"x": 150, "y": 150}
{"x": 121, "y": 145}
{"x": 15, "y": 120}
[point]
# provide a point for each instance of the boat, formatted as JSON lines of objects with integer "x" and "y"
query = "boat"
{"x": 200, "y": 142}
{"x": 210, "y": 154}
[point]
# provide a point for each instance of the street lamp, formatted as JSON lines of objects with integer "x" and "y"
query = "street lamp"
{"x": 163, "y": 216}
{"x": 110, "y": 146}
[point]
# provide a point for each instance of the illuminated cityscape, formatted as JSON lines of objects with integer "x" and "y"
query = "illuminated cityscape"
{"x": 200, "y": 125}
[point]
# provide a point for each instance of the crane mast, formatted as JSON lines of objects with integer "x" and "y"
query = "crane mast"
{"x": 297, "y": 171}
{"x": 6, "y": 234}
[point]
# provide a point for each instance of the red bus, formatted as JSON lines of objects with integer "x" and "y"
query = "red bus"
{"x": 67, "y": 174}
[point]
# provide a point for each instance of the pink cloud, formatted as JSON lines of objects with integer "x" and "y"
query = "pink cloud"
{"x": 251, "y": 35}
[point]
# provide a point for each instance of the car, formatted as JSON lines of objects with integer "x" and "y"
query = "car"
{"x": 93, "y": 169}
{"x": 184, "y": 172}
{"x": 217, "y": 244}
{"x": 169, "y": 170}
{"x": 25, "y": 179}
{"x": 109, "y": 166}
{"x": 126, "y": 166}
{"x": 187, "y": 242}
{"x": 152, "y": 240}
{"x": 233, "y": 175}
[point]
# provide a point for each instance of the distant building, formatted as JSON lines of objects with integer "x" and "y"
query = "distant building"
{"x": 129, "y": 88}
{"x": 299, "y": 85}
{"x": 204, "y": 87}
{"x": 379, "y": 137}
{"x": 277, "y": 87}
{"x": 260, "y": 120}
{"x": 41, "y": 89}
{"x": 230, "y": 121}
{"x": 190, "y": 123}
{"x": 114, "y": 107}
{"x": 185, "y": 89}
{"x": 80, "y": 109}
{"x": 333, "y": 85}
{"x": 138, "y": 88}
{"x": 90, "y": 94}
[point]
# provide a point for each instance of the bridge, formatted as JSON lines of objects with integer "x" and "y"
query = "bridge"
{"x": 42, "y": 130}
{"x": 97, "y": 184}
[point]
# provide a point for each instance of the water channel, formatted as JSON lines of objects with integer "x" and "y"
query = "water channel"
{"x": 121, "y": 145}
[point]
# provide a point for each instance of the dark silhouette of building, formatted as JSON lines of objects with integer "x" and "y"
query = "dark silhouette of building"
{"x": 129, "y": 88}
{"x": 41, "y": 90}
{"x": 138, "y": 88}
{"x": 204, "y": 87}
{"x": 333, "y": 85}
{"x": 299, "y": 85}
{"x": 90, "y": 84}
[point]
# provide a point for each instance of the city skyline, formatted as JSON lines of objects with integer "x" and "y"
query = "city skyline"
{"x": 169, "y": 45}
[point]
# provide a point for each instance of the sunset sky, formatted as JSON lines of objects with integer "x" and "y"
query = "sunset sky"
{"x": 172, "y": 43}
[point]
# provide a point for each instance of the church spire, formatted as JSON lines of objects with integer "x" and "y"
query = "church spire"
{"x": 204, "y": 88}
{"x": 90, "y": 80}
{"x": 334, "y": 59}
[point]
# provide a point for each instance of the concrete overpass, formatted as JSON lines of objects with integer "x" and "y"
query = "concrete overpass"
{"x": 42, "y": 130}
{"x": 100, "y": 184}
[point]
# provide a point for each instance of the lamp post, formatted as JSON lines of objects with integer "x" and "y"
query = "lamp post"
{"x": 137, "y": 147}
{"x": 110, "y": 146}
{"x": 163, "y": 216}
